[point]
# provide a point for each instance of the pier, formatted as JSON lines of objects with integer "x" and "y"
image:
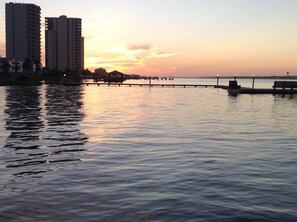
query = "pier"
{"x": 279, "y": 87}
{"x": 142, "y": 85}
{"x": 244, "y": 90}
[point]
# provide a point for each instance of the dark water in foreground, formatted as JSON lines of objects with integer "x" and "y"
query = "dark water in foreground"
{"x": 134, "y": 154}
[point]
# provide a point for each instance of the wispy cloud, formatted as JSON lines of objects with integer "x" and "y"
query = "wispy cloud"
{"x": 92, "y": 42}
{"x": 131, "y": 58}
{"x": 163, "y": 54}
{"x": 119, "y": 61}
{"x": 140, "y": 47}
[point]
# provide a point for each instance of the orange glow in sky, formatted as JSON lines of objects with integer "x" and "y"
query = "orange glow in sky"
{"x": 182, "y": 38}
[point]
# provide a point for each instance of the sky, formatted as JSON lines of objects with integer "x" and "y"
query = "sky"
{"x": 181, "y": 37}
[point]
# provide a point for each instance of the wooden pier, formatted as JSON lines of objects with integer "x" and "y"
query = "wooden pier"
{"x": 279, "y": 87}
{"x": 142, "y": 85}
{"x": 244, "y": 90}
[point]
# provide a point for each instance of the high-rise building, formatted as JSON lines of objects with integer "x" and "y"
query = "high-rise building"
{"x": 82, "y": 53}
{"x": 63, "y": 44}
{"x": 23, "y": 31}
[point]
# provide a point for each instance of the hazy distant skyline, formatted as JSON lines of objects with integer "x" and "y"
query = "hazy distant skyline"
{"x": 181, "y": 38}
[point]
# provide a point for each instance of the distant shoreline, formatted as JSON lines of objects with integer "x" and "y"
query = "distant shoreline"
{"x": 241, "y": 77}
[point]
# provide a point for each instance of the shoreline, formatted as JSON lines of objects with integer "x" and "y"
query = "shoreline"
{"x": 239, "y": 77}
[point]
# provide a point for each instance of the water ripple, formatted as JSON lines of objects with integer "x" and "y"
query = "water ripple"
{"x": 134, "y": 154}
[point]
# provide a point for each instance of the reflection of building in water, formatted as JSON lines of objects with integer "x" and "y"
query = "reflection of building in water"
{"x": 44, "y": 128}
{"x": 24, "y": 123}
{"x": 63, "y": 108}
{"x": 23, "y": 117}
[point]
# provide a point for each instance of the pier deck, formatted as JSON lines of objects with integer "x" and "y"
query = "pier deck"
{"x": 142, "y": 84}
{"x": 244, "y": 90}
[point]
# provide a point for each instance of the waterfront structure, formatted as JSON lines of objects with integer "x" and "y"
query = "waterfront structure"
{"x": 10, "y": 65}
{"x": 64, "y": 44}
{"x": 101, "y": 73}
{"x": 23, "y": 32}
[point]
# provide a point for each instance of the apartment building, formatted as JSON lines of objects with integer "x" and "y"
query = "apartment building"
{"x": 64, "y": 43}
{"x": 23, "y": 31}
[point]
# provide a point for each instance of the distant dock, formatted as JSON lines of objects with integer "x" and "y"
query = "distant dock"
{"x": 244, "y": 90}
{"x": 143, "y": 85}
{"x": 279, "y": 87}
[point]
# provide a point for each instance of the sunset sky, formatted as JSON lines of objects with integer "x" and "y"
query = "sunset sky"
{"x": 182, "y": 37}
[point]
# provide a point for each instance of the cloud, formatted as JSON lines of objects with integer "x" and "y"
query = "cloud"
{"x": 121, "y": 61}
{"x": 134, "y": 58}
{"x": 163, "y": 54}
{"x": 112, "y": 60}
{"x": 139, "y": 49}
{"x": 143, "y": 47}
{"x": 93, "y": 42}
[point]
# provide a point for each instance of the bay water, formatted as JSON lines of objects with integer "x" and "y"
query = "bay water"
{"x": 99, "y": 153}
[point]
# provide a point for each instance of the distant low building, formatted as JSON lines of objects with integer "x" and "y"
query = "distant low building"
{"x": 100, "y": 73}
{"x": 10, "y": 65}
{"x": 115, "y": 76}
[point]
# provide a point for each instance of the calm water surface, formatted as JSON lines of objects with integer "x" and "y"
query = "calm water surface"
{"x": 89, "y": 153}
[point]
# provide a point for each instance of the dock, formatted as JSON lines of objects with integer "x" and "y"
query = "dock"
{"x": 279, "y": 87}
{"x": 244, "y": 90}
{"x": 142, "y": 85}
